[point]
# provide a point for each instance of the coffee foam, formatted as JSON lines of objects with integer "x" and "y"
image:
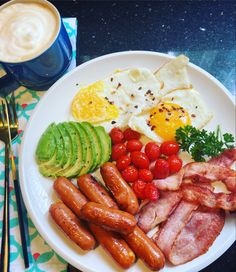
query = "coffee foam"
{"x": 26, "y": 30}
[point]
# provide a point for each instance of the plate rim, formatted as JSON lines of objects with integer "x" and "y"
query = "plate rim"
{"x": 26, "y": 199}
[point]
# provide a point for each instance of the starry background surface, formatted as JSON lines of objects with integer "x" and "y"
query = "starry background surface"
{"x": 203, "y": 30}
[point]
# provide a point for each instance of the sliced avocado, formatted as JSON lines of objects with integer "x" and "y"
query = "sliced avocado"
{"x": 94, "y": 143}
{"x": 78, "y": 146}
{"x": 46, "y": 147}
{"x": 53, "y": 169}
{"x": 105, "y": 143}
{"x": 89, "y": 158}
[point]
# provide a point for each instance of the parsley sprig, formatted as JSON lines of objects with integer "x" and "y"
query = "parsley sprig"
{"x": 202, "y": 144}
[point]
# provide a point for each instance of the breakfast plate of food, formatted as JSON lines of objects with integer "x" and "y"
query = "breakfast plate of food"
{"x": 127, "y": 163}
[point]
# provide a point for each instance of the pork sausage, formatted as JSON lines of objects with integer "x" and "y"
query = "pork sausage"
{"x": 145, "y": 249}
{"x": 71, "y": 225}
{"x": 108, "y": 218}
{"x": 114, "y": 245}
{"x": 95, "y": 191}
{"x": 121, "y": 191}
{"x": 75, "y": 202}
{"x": 69, "y": 194}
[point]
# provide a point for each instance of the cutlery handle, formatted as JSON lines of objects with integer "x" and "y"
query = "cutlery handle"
{"x": 22, "y": 215}
{"x": 5, "y": 247}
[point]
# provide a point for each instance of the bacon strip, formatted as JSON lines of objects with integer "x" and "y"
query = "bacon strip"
{"x": 202, "y": 195}
{"x": 171, "y": 183}
{"x": 173, "y": 226}
{"x": 203, "y": 171}
{"x": 197, "y": 236}
{"x": 211, "y": 172}
{"x": 225, "y": 159}
{"x": 158, "y": 211}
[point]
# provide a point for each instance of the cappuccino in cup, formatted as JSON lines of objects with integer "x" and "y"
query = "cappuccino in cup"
{"x": 27, "y": 29}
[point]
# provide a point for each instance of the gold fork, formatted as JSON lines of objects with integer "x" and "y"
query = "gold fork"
{"x": 4, "y": 136}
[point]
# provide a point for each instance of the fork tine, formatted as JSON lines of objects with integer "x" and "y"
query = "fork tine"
{"x": 1, "y": 120}
{"x": 3, "y": 114}
{"x": 13, "y": 107}
{"x": 11, "y": 120}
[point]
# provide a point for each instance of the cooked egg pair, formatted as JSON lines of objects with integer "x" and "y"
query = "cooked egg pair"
{"x": 152, "y": 104}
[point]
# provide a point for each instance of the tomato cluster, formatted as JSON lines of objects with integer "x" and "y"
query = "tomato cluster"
{"x": 140, "y": 164}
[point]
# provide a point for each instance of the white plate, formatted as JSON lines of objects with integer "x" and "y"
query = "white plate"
{"x": 54, "y": 107}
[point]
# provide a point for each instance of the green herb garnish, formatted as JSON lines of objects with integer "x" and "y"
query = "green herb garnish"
{"x": 201, "y": 143}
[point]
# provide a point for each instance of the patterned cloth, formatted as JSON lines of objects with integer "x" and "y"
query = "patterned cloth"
{"x": 42, "y": 258}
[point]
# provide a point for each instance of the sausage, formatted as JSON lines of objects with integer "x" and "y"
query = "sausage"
{"x": 122, "y": 192}
{"x": 71, "y": 225}
{"x": 143, "y": 246}
{"x": 114, "y": 245}
{"x": 74, "y": 200}
{"x": 145, "y": 249}
{"x": 108, "y": 218}
{"x": 69, "y": 194}
{"x": 95, "y": 191}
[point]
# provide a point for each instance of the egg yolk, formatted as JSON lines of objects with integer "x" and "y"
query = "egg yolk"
{"x": 166, "y": 118}
{"x": 89, "y": 105}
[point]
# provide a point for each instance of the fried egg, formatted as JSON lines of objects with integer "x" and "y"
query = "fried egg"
{"x": 176, "y": 109}
{"x": 112, "y": 101}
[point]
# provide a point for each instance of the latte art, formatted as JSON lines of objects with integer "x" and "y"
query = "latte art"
{"x": 26, "y": 30}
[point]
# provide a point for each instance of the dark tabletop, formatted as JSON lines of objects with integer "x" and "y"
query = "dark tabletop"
{"x": 202, "y": 30}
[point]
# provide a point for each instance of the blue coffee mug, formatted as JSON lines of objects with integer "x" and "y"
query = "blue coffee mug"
{"x": 41, "y": 71}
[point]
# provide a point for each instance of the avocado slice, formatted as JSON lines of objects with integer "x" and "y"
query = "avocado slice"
{"x": 95, "y": 144}
{"x": 46, "y": 147}
{"x": 77, "y": 138}
{"x": 89, "y": 149}
{"x": 60, "y": 147}
{"x": 70, "y": 140}
{"x": 105, "y": 143}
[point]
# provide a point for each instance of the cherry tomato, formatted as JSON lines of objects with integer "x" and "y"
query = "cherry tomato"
{"x": 134, "y": 145}
{"x": 161, "y": 169}
{"x": 130, "y": 134}
{"x": 140, "y": 159}
{"x": 175, "y": 163}
{"x": 117, "y": 151}
{"x": 116, "y": 135}
{"x": 130, "y": 174}
{"x": 169, "y": 148}
{"x": 151, "y": 192}
{"x": 138, "y": 188}
{"x": 123, "y": 162}
{"x": 152, "y": 150}
{"x": 145, "y": 175}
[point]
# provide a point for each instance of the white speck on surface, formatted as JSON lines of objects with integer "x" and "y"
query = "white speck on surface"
{"x": 171, "y": 53}
{"x": 210, "y": 13}
{"x": 149, "y": 9}
{"x": 136, "y": 5}
{"x": 93, "y": 36}
{"x": 135, "y": 14}
{"x": 181, "y": 19}
{"x": 202, "y": 28}
{"x": 185, "y": 11}
{"x": 162, "y": 25}
{"x": 222, "y": 13}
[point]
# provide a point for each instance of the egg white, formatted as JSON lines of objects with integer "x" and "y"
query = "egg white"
{"x": 132, "y": 91}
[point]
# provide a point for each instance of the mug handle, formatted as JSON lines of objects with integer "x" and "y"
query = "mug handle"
{"x": 8, "y": 83}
